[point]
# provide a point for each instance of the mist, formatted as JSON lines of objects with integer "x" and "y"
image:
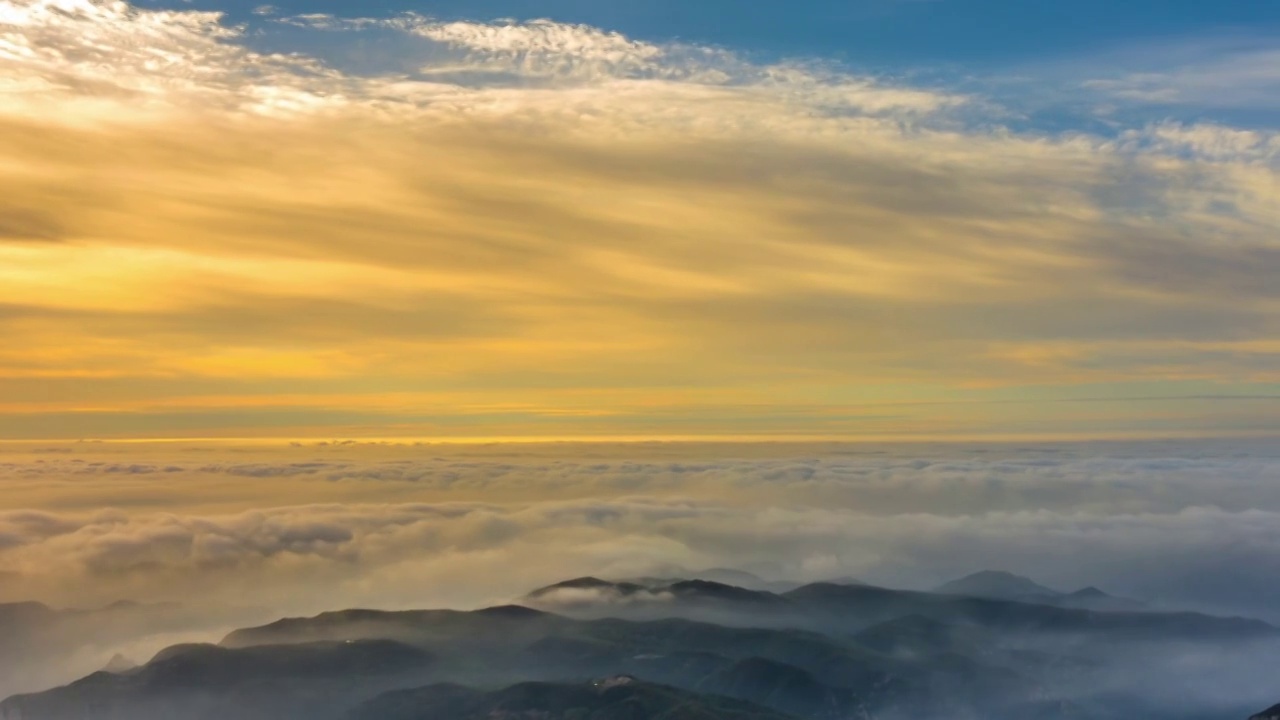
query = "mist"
{"x": 133, "y": 549}
{"x": 1187, "y": 525}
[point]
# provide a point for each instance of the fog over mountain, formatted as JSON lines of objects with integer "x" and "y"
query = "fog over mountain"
{"x": 697, "y": 649}
{"x": 1177, "y": 525}
{"x": 996, "y": 578}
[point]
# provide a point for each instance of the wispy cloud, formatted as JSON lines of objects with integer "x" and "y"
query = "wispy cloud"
{"x": 1231, "y": 72}
{"x": 542, "y": 221}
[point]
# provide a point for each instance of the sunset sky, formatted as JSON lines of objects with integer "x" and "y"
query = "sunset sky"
{"x": 882, "y": 219}
{"x": 921, "y": 287}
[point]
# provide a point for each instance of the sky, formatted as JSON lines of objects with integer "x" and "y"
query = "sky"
{"x": 925, "y": 287}
{"x": 875, "y": 220}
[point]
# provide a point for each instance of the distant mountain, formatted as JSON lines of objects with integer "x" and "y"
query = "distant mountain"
{"x": 1091, "y": 598}
{"x": 207, "y": 682}
{"x": 913, "y": 635}
{"x": 619, "y": 698}
{"x": 820, "y": 652}
{"x": 36, "y": 640}
{"x": 786, "y": 687}
{"x": 913, "y": 659}
{"x": 740, "y": 578}
{"x": 653, "y": 598}
{"x": 746, "y": 580}
{"x": 845, "y": 580}
{"x": 14, "y": 616}
{"x": 119, "y": 664}
{"x": 1270, "y": 714}
{"x": 853, "y": 608}
{"x": 665, "y": 575}
{"x": 826, "y": 608}
{"x": 998, "y": 585}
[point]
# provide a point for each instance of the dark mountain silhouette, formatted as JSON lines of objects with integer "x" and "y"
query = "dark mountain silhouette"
{"x": 619, "y": 698}
{"x": 845, "y": 580}
{"x": 828, "y": 607}
{"x": 1091, "y": 598}
{"x": 200, "y": 682}
{"x": 13, "y": 616}
{"x": 854, "y": 608}
{"x": 119, "y": 664}
{"x": 590, "y": 589}
{"x": 649, "y": 599}
{"x": 727, "y": 576}
{"x": 912, "y": 635}
{"x": 1269, "y": 714}
{"x": 36, "y": 640}
{"x": 783, "y": 686}
{"x": 997, "y": 585}
{"x": 823, "y": 651}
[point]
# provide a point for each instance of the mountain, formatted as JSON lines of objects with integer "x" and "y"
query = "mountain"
{"x": 41, "y": 646}
{"x": 650, "y": 598}
{"x": 739, "y": 578}
{"x": 667, "y": 574}
{"x": 911, "y": 635}
{"x": 279, "y": 670}
{"x": 783, "y": 686}
{"x": 208, "y": 682}
{"x": 119, "y": 664}
{"x": 616, "y": 698}
{"x": 16, "y": 616}
{"x": 820, "y": 652}
{"x": 1270, "y": 714}
{"x": 651, "y": 588}
{"x": 685, "y": 653}
{"x": 854, "y": 608}
{"x": 831, "y": 608}
{"x": 845, "y": 580}
{"x": 1091, "y": 598}
{"x": 998, "y": 585}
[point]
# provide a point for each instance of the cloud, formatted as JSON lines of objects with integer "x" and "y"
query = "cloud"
{"x": 1231, "y": 72}
{"x": 1182, "y": 524}
{"x": 554, "y": 230}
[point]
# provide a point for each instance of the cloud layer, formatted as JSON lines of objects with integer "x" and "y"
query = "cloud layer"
{"x": 551, "y": 230}
{"x": 1187, "y": 525}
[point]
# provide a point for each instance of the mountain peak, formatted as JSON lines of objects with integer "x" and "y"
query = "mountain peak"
{"x": 1270, "y": 714}
{"x": 997, "y": 584}
{"x": 515, "y": 612}
{"x": 119, "y": 664}
{"x": 582, "y": 583}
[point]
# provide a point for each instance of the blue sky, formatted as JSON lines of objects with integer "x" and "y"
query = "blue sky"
{"x": 892, "y": 33}
{"x": 876, "y": 32}
{"x": 1091, "y": 65}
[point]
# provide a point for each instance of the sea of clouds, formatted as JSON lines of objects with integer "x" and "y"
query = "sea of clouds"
{"x": 313, "y": 527}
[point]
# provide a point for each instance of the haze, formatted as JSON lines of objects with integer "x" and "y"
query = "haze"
{"x": 726, "y": 336}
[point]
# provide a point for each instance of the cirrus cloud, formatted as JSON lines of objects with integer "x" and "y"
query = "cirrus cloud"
{"x": 550, "y": 230}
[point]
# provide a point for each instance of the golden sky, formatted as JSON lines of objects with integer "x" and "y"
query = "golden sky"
{"x": 552, "y": 231}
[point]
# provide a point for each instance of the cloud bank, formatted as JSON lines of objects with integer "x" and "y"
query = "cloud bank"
{"x": 1188, "y": 525}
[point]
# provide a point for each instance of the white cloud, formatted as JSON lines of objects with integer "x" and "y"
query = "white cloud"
{"x": 546, "y": 47}
{"x": 1189, "y": 524}
{"x": 1215, "y": 74}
